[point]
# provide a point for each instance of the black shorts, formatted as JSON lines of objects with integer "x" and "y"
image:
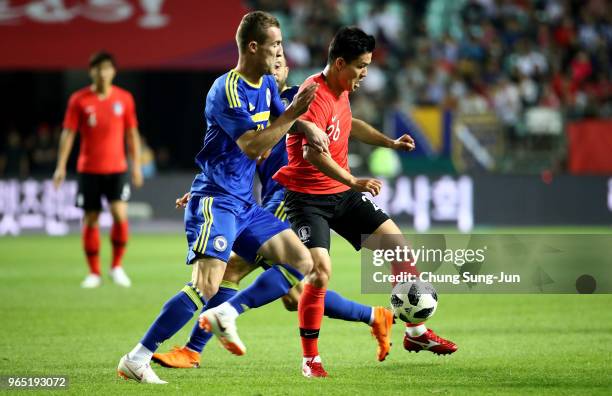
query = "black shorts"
{"x": 113, "y": 186}
{"x": 351, "y": 214}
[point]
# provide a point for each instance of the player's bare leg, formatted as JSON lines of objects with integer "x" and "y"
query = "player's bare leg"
{"x": 417, "y": 337}
{"x": 186, "y": 357}
{"x": 207, "y": 275}
{"x": 119, "y": 237}
{"x": 284, "y": 247}
{"x": 91, "y": 246}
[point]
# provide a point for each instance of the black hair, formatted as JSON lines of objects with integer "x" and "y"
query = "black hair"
{"x": 99, "y": 57}
{"x": 350, "y": 43}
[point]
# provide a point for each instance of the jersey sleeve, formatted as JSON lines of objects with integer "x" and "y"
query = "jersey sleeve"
{"x": 318, "y": 112}
{"x": 130, "y": 112}
{"x": 277, "y": 107}
{"x": 232, "y": 114}
{"x": 72, "y": 116}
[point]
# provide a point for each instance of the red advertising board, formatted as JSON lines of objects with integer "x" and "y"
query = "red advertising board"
{"x": 143, "y": 34}
{"x": 590, "y": 147}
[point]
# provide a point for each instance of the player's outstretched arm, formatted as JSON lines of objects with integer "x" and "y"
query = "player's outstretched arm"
{"x": 255, "y": 143}
{"x": 366, "y": 133}
{"x": 65, "y": 146}
{"x": 326, "y": 164}
{"x": 133, "y": 141}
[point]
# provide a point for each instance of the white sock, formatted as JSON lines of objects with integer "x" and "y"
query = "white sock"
{"x": 415, "y": 331}
{"x": 371, "y": 317}
{"x": 316, "y": 359}
{"x": 140, "y": 354}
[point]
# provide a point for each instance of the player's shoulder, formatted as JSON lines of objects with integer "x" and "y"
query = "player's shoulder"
{"x": 315, "y": 78}
{"x": 81, "y": 93}
{"x": 269, "y": 80}
{"x": 288, "y": 94}
{"x": 122, "y": 92}
{"x": 224, "y": 91}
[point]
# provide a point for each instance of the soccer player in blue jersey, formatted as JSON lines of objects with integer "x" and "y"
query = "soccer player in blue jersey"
{"x": 222, "y": 214}
{"x": 378, "y": 318}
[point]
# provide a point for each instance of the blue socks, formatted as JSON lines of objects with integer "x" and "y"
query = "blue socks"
{"x": 198, "y": 337}
{"x": 272, "y": 284}
{"x": 338, "y": 307}
{"x": 174, "y": 315}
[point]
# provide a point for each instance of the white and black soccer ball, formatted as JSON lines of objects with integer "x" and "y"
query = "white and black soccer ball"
{"x": 414, "y": 302}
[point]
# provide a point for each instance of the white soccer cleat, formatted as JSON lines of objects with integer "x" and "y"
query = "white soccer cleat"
{"x": 222, "y": 323}
{"x": 139, "y": 372}
{"x": 120, "y": 277}
{"x": 91, "y": 281}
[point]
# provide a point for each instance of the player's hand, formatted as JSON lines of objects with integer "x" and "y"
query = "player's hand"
{"x": 137, "y": 180}
{"x": 263, "y": 157}
{"x": 404, "y": 143}
{"x": 302, "y": 101}
{"x": 58, "y": 177}
{"x": 317, "y": 139}
{"x": 371, "y": 186}
{"x": 182, "y": 201}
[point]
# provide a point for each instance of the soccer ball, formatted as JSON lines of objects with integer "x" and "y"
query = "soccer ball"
{"x": 414, "y": 302}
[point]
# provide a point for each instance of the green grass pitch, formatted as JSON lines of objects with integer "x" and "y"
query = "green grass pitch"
{"x": 508, "y": 344}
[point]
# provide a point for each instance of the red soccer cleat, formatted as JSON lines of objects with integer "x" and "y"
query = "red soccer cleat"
{"x": 312, "y": 368}
{"x": 429, "y": 341}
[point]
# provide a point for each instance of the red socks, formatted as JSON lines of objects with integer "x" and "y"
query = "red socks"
{"x": 119, "y": 237}
{"x": 398, "y": 267}
{"x": 310, "y": 313}
{"x": 91, "y": 245}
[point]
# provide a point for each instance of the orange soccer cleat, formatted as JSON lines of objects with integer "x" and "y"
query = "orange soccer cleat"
{"x": 178, "y": 357}
{"x": 381, "y": 330}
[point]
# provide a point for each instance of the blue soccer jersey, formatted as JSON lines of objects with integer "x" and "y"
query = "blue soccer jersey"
{"x": 233, "y": 107}
{"x": 222, "y": 214}
{"x": 270, "y": 189}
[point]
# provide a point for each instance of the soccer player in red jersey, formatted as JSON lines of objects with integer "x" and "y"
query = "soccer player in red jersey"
{"x": 105, "y": 116}
{"x": 322, "y": 194}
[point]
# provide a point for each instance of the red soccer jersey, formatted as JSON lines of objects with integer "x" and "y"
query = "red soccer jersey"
{"x": 102, "y": 124}
{"x": 333, "y": 115}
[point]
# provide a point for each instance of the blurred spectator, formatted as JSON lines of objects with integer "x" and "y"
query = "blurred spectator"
{"x": 44, "y": 150}
{"x": 14, "y": 158}
{"x": 147, "y": 159}
{"x": 507, "y": 103}
{"x": 581, "y": 68}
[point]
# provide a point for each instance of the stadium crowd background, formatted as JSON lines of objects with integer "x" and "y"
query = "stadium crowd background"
{"x": 501, "y": 57}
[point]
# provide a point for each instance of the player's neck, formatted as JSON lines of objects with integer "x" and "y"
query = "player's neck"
{"x": 332, "y": 81}
{"x": 103, "y": 91}
{"x": 248, "y": 72}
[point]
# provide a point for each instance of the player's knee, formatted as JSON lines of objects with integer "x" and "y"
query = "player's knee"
{"x": 207, "y": 287}
{"x": 303, "y": 261}
{"x": 91, "y": 219}
{"x": 290, "y": 303}
{"x": 319, "y": 276}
